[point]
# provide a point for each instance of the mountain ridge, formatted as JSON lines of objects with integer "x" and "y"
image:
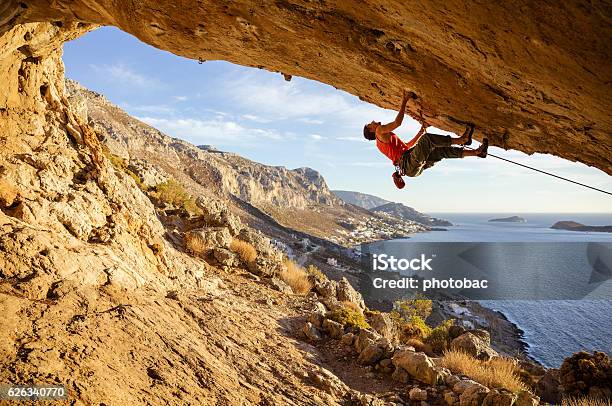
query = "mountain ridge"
{"x": 377, "y": 204}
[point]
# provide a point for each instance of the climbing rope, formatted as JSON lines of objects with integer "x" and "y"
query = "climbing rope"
{"x": 546, "y": 173}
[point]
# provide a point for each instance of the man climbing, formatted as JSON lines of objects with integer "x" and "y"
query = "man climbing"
{"x": 421, "y": 152}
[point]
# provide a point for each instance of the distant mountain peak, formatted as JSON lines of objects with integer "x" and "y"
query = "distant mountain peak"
{"x": 360, "y": 199}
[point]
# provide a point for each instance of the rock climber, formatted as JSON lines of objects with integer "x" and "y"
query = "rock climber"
{"x": 421, "y": 152}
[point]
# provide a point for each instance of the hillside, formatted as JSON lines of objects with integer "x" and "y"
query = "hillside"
{"x": 360, "y": 199}
{"x": 376, "y": 204}
{"x": 298, "y": 199}
{"x": 402, "y": 211}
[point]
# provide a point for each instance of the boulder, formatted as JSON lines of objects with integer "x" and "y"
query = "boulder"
{"x": 202, "y": 240}
{"x": 217, "y": 214}
{"x": 383, "y": 325}
{"x": 149, "y": 175}
{"x": 346, "y": 293}
{"x": 327, "y": 381}
{"x": 400, "y": 375}
{"x": 417, "y": 394}
{"x": 375, "y": 351}
{"x": 317, "y": 315}
{"x": 311, "y": 332}
{"x": 482, "y": 334}
{"x": 451, "y": 398}
{"x": 260, "y": 242}
{"x": 525, "y": 398}
{"x": 499, "y": 397}
{"x": 361, "y": 340}
{"x": 371, "y": 354}
{"x": 473, "y": 345}
{"x": 279, "y": 284}
{"x": 549, "y": 387}
{"x": 326, "y": 288}
{"x": 419, "y": 366}
{"x": 224, "y": 256}
{"x": 265, "y": 267}
{"x": 455, "y": 331}
{"x": 463, "y": 385}
{"x": 333, "y": 328}
{"x": 347, "y": 339}
{"x": 472, "y": 393}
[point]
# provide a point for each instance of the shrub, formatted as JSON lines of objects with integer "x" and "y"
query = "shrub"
{"x": 316, "y": 273}
{"x": 499, "y": 372}
{"x": 586, "y": 401}
{"x": 349, "y": 316}
{"x": 296, "y": 277}
{"x": 419, "y": 346}
{"x": 438, "y": 337}
{"x": 583, "y": 371}
{"x": 245, "y": 251}
{"x": 173, "y": 193}
{"x": 413, "y": 307}
{"x": 121, "y": 164}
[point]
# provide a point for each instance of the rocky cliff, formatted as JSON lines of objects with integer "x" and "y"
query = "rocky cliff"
{"x": 532, "y": 77}
{"x": 101, "y": 295}
{"x": 225, "y": 172}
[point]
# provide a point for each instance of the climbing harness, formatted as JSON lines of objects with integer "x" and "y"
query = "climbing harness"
{"x": 548, "y": 173}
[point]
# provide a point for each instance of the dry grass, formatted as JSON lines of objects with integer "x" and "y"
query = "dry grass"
{"x": 195, "y": 243}
{"x": 296, "y": 277}
{"x": 245, "y": 251}
{"x": 587, "y": 401}
{"x": 496, "y": 373}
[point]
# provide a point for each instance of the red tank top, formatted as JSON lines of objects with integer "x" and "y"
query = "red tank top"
{"x": 394, "y": 148}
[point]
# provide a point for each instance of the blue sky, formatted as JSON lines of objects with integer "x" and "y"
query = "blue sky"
{"x": 259, "y": 115}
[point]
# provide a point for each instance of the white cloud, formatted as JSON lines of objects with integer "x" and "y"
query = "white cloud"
{"x": 351, "y": 139}
{"x": 214, "y": 130}
{"x": 180, "y": 98}
{"x": 121, "y": 74}
{"x": 297, "y": 100}
{"x": 316, "y": 137}
{"x": 307, "y": 120}
{"x": 253, "y": 117}
{"x": 368, "y": 164}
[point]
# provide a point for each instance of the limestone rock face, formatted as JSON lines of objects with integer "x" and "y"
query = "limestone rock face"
{"x": 525, "y": 83}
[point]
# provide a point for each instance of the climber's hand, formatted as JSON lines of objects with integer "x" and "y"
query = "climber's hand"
{"x": 406, "y": 95}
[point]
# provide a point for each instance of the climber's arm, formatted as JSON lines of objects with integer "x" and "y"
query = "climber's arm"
{"x": 382, "y": 132}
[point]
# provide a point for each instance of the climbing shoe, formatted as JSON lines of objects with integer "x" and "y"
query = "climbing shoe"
{"x": 470, "y": 132}
{"x": 483, "y": 148}
{"x": 397, "y": 179}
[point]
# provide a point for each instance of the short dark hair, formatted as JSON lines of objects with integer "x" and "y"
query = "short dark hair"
{"x": 368, "y": 134}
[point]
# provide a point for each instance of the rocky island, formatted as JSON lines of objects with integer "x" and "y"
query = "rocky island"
{"x": 575, "y": 226}
{"x": 511, "y": 219}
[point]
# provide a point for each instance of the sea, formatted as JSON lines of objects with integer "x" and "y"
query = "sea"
{"x": 553, "y": 329}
